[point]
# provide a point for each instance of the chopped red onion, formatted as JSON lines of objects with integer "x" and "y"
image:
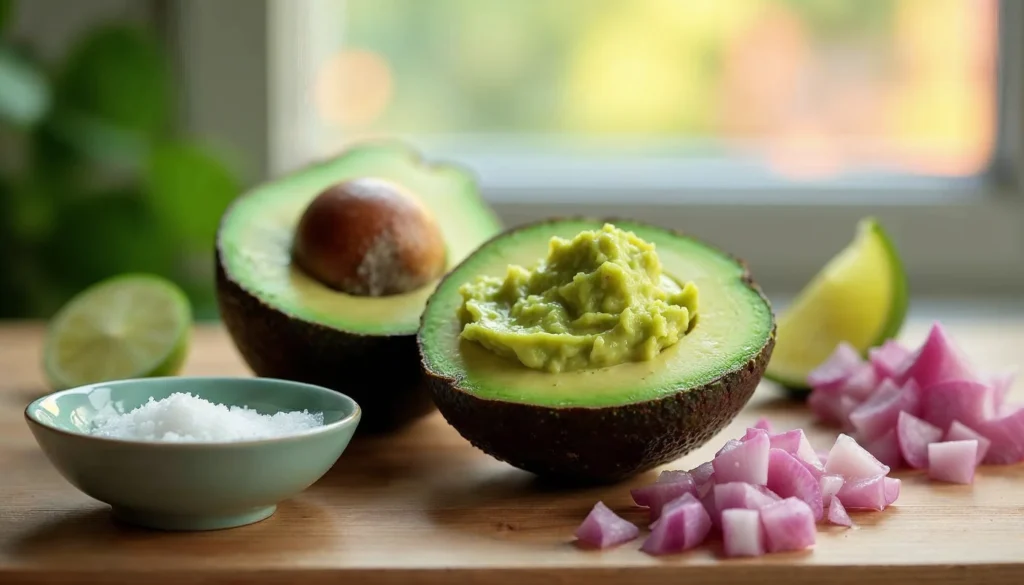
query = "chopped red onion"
{"x": 953, "y": 461}
{"x": 728, "y": 446}
{"x": 960, "y": 432}
{"x": 892, "y": 490}
{"x": 656, "y": 495}
{"x": 702, "y": 473}
{"x": 887, "y": 358}
{"x": 880, "y": 411}
{"x": 864, "y": 494}
{"x": 861, "y": 383}
{"x": 886, "y": 449}
{"x": 914, "y": 435}
{"x": 603, "y": 528}
{"x": 746, "y": 462}
{"x": 836, "y": 369}
{"x": 675, "y": 476}
{"x": 965, "y": 400}
{"x": 937, "y": 360}
{"x": 742, "y": 533}
{"x": 1001, "y": 383}
{"x": 764, "y": 424}
{"x": 850, "y": 460}
{"x": 795, "y": 443}
{"x": 788, "y": 525}
{"x": 830, "y": 485}
{"x": 738, "y": 494}
{"x": 708, "y": 501}
{"x": 683, "y": 525}
{"x": 837, "y": 513}
{"x": 788, "y": 477}
{"x": 1006, "y": 434}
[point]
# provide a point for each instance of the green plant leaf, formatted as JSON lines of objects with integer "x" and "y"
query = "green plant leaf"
{"x": 118, "y": 74}
{"x": 103, "y": 234}
{"x": 25, "y": 95}
{"x": 6, "y": 12}
{"x": 189, "y": 188}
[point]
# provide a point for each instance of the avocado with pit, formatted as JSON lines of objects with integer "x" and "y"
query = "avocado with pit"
{"x": 322, "y": 274}
{"x": 585, "y": 417}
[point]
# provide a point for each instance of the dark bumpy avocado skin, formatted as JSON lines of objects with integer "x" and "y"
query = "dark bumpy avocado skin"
{"x": 601, "y": 445}
{"x": 381, "y": 373}
{"x": 558, "y": 440}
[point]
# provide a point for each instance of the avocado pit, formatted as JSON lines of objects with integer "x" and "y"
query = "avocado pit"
{"x": 369, "y": 237}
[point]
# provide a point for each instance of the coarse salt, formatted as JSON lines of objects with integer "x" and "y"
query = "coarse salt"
{"x": 182, "y": 417}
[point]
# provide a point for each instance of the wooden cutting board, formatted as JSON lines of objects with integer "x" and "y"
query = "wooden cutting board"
{"x": 425, "y": 507}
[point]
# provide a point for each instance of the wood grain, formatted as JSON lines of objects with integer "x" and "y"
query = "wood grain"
{"x": 425, "y": 507}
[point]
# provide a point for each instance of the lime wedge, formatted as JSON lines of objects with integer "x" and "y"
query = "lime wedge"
{"x": 859, "y": 297}
{"x": 130, "y": 326}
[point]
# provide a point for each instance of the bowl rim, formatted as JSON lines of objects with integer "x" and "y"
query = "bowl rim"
{"x": 351, "y": 419}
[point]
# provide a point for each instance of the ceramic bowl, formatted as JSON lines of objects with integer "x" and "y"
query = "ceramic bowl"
{"x": 194, "y": 485}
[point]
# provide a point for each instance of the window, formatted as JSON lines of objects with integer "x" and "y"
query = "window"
{"x": 745, "y": 122}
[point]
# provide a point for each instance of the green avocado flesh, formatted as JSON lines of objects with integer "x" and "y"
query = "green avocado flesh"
{"x": 597, "y": 300}
{"x": 257, "y": 232}
{"x": 734, "y": 325}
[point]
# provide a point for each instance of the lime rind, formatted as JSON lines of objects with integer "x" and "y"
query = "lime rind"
{"x": 166, "y": 363}
{"x": 897, "y": 308}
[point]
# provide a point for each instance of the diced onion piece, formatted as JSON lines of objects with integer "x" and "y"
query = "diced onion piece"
{"x": 892, "y": 490}
{"x": 886, "y": 449}
{"x": 763, "y": 423}
{"x": 1001, "y": 383}
{"x": 788, "y": 525}
{"x": 742, "y": 533}
{"x": 960, "y": 432}
{"x": 879, "y": 413}
{"x": 683, "y": 525}
{"x": 850, "y": 460}
{"x": 953, "y": 461}
{"x": 788, "y": 477}
{"x": 603, "y": 528}
{"x": 888, "y": 358}
{"x": 675, "y": 476}
{"x": 836, "y": 369}
{"x": 861, "y": 383}
{"x": 837, "y": 513}
{"x": 914, "y": 435}
{"x": 1006, "y": 434}
{"x": 746, "y": 462}
{"x": 830, "y": 485}
{"x": 702, "y": 473}
{"x": 937, "y": 360}
{"x": 656, "y": 495}
{"x": 864, "y": 494}
{"x": 738, "y": 494}
{"x": 729, "y": 446}
{"x": 966, "y": 400}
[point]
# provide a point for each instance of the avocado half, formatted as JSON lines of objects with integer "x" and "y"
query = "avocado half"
{"x": 287, "y": 325}
{"x": 601, "y": 425}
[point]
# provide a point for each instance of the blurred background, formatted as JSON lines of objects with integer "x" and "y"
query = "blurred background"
{"x": 765, "y": 126}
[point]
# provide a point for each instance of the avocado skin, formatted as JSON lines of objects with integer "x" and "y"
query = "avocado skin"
{"x": 593, "y": 446}
{"x": 381, "y": 373}
{"x": 599, "y": 445}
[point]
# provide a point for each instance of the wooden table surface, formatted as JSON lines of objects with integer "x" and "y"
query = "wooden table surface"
{"x": 425, "y": 507}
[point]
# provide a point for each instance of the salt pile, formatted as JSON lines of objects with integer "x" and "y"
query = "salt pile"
{"x": 182, "y": 417}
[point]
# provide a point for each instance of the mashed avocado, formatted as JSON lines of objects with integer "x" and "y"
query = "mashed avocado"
{"x": 597, "y": 300}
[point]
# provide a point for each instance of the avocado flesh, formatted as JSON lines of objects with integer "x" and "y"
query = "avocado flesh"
{"x": 287, "y": 325}
{"x": 256, "y": 238}
{"x": 602, "y": 424}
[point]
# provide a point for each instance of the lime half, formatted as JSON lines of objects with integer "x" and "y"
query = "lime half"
{"x": 859, "y": 297}
{"x": 130, "y": 326}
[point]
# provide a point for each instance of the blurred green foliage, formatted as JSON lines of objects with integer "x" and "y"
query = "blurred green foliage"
{"x": 94, "y": 180}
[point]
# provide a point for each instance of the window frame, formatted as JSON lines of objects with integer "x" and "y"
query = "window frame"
{"x": 956, "y": 237}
